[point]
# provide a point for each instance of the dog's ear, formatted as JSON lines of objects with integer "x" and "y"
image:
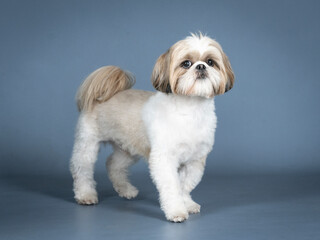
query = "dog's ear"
{"x": 229, "y": 75}
{"x": 160, "y": 74}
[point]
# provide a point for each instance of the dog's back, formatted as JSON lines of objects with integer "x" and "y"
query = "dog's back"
{"x": 120, "y": 121}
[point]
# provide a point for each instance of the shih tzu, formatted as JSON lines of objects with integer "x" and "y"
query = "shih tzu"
{"x": 173, "y": 128}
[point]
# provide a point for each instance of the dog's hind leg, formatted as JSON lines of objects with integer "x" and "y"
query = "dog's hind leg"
{"x": 84, "y": 156}
{"x": 117, "y": 165}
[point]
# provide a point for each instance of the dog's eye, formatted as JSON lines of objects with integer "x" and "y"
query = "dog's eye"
{"x": 210, "y": 62}
{"x": 186, "y": 64}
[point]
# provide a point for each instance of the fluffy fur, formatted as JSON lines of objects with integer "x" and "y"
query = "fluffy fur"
{"x": 173, "y": 129}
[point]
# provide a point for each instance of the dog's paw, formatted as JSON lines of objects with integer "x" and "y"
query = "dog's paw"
{"x": 87, "y": 197}
{"x": 127, "y": 191}
{"x": 193, "y": 208}
{"x": 178, "y": 217}
{"x": 191, "y": 205}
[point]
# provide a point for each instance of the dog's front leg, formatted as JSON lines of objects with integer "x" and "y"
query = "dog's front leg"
{"x": 190, "y": 175}
{"x": 164, "y": 173}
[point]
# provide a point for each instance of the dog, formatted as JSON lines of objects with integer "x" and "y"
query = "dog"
{"x": 172, "y": 128}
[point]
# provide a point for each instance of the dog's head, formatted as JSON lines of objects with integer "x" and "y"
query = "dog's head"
{"x": 195, "y": 66}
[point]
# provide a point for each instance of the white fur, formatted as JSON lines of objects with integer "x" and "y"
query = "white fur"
{"x": 201, "y": 44}
{"x": 181, "y": 132}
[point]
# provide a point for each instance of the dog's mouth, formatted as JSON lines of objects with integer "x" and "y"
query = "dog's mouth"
{"x": 201, "y": 75}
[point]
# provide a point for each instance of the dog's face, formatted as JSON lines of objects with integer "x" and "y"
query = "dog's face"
{"x": 195, "y": 66}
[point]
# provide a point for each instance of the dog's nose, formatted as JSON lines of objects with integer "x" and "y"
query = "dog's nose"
{"x": 201, "y": 67}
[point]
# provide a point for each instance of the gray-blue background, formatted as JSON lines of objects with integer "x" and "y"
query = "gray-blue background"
{"x": 267, "y": 141}
{"x": 268, "y": 122}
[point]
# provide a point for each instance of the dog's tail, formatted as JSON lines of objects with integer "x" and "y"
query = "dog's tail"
{"x": 101, "y": 85}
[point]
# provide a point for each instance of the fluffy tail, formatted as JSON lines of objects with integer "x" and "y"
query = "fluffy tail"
{"x": 101, "y": 85}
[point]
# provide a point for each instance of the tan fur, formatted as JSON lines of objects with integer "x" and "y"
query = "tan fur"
{"x": 226, "y": 70}
{"x": 120, "y": 119}
{"x": 179, "y": 71}
{"x": 229, "y": 73}
{"x": 101, "y": 85}
{"x": 160, "y": 77}
{"x": 193, "y": 56}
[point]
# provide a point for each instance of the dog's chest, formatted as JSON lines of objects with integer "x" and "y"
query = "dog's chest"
{"x": 190, "y": 135}
{"x": 183, "y": 128}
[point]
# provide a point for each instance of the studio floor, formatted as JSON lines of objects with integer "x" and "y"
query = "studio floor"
{"x": 246, "y": 207}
